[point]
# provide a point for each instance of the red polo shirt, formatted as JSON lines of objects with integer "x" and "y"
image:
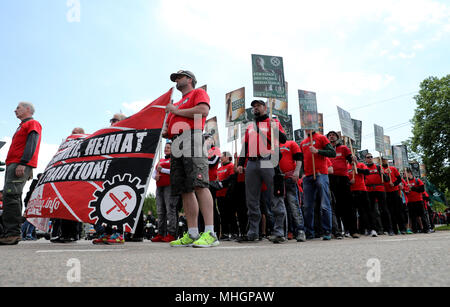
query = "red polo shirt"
{"x": 415, "y": 196}
{"x": 164, "y": 179}
{"x": 223, "y": 173}
{"x": 19, "y": 141}
{"x": 359, "y": 184}
{"x": 340, "y": 162}
{"x": 287, "y": 162}
{"x": 178, "y": 124}
{"x": 394, "y": 174}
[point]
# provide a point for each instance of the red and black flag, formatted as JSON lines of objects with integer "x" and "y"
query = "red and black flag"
{"x": 102, "y": 178}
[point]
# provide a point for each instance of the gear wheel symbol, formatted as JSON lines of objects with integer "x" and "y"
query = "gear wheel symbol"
{"x": 116, "y": 205}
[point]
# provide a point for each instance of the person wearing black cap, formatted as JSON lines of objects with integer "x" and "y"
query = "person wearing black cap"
{"x": 340, "y": 185}
{"x": 260, "y": 149}
{"x": 189, "y": 162}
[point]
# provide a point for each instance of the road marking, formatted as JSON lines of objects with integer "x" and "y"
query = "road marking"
{"x": 398, "y": 240}
{"x": 239, "y": 247}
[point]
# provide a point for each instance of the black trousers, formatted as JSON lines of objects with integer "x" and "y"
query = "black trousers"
{"x": 367, "y": 217}
{"x": 345, "y": 211}
{"x": 239, "y": 203}
{"x": 228, "y": 220}
{"x": 380, "y": 211}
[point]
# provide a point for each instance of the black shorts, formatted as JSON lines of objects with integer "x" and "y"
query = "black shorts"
{"x": 188, "y": 172}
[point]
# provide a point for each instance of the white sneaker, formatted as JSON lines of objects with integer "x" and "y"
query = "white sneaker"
{"x": 374, "y": 234}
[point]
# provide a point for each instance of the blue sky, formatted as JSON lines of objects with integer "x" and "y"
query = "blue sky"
{"x": 368, "y": 58}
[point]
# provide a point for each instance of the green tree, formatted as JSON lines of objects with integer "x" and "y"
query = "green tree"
{"x": 431, "y": 129}
{"x": 412, "y": 155}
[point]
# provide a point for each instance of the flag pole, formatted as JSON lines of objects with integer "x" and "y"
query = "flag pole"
{"x": 354, "y": 163}
{"x": 141, "y": 205}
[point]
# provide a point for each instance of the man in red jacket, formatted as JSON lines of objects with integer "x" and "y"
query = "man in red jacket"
{"x": 22, "y": 158}
{"x": 393, "y": 199}
{"x": 259, "y": 149}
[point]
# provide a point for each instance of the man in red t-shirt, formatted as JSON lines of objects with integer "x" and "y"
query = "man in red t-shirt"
{"x": 20, "y": 161}
{"x": 189, "y": 175}
{"x": 340, "y": 186}
{"x": 319, "y": 147}
{"x": 290, "y": 165}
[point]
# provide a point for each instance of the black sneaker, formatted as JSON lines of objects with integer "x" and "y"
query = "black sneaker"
{"x": 277, "y": 239}
{"x": 245, "y": 239}
{"x": 338, "y": 236}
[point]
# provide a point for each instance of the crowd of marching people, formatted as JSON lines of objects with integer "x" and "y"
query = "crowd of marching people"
{"x": 361, "y": 199}
{"x": 274, "y": 189}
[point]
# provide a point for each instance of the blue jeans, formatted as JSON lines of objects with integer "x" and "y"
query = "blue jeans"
{"x": 321, "y": 188}
{"x": 295, "y": 215}
{"x": 27, "y": 230}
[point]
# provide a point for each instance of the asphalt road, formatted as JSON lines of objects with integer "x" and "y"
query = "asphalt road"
{"x": 405, "y": 261}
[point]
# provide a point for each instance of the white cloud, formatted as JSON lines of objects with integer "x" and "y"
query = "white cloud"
{"x": 310, "y": 35}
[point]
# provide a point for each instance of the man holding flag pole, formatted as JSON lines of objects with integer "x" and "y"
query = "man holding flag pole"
{"x": 189, "y": 163}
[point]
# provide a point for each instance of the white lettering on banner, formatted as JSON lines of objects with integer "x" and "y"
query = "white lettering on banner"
{"x": 101, "y": 146}
{"x": 92, "y": 171}
{"x": 35, "y": 205}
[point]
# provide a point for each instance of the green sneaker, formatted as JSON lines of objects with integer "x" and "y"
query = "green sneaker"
{"x": 206, "y": 240}
{"x": 409, "y": 232}
{"x": 185, "y": 241}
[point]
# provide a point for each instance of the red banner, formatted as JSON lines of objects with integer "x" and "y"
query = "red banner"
{"x": 102, "y": 178}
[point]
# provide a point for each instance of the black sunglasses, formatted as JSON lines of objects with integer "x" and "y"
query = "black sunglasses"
{"x": 369, "y": 157}
{"x": 113, "y": 120}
